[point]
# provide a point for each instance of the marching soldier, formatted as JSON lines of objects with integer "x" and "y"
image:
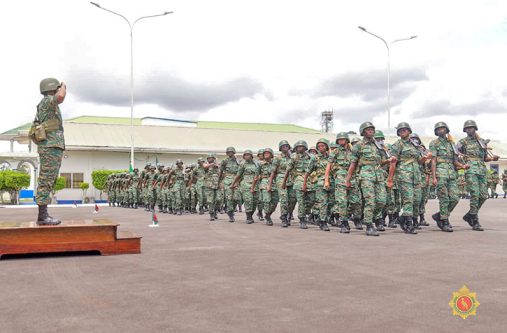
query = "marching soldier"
{"x": 425, "y": 182}
{"x": 317, "y": 172}
{"x": 269, "y": 193}
{"x": 228, "y": 170}
{"x": 211, "y": 178}
{"x": 286, "y": 195}
{"x": 474, "y": 151}
{"x": 248, "y": 171}
{"x": 504, "y": 183}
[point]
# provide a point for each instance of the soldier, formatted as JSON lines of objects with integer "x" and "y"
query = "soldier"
{"x": 149, "y": 183}
{"x": 462, "y": 185}
{"x": 48, "y": 135}
{"x": 247, "y": 172}
{"x": 287, "y": 195}
{"x": 408, "y": 177}
{"x": 192, "y": 188}
{"x": 368, "y": 157}
{"x": 425, "y": 175}
{"x": 301, "y": 162}
{"x": 157, "y": 187}
{"x": 260, "y": 203}
{"x": 494, "y": 181}
{"x": 269, "y": 194}
{"x": 163, "y": 181}
{"x": 504, "y": 183}
{"x": 310, "y": 192}
{"x": 347, "y": 200}
{"x": 198, "y": 177}
{"x": 177, "y": 175}
{"x": 109, "y": 189}
{"x": 211, "y": 178}
{"x": 317, "y": 176}
{"x": 444, "y": 167}
{"x": 228, "y": 171}
{"x": 475, "y": 153}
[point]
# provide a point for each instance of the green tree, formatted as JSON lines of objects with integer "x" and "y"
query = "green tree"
{"x": 84, "y": 187}
{"x": 13, "y": 182}
{"x": 99, "y": 179}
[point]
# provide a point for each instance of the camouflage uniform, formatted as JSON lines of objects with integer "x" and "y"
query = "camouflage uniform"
{"x": 287, "y": 196}
{"x": 198, "y": 174}
{"x": 50, "y": 150}
{"x": 317, "y": 176}
{"x": 270, "y": 198}
{"x": 494, "y": 180}
{"x": 504, "y": 183}
{"x": 247, "y": 172}
{"x": 229, "y": 168}
{"x": 178, "y": 187}
{"x": 211, "y": 178}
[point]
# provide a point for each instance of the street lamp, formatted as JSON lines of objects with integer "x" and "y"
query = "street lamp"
{"x": 131, "y": 26}
{"x": 388, "y": 69}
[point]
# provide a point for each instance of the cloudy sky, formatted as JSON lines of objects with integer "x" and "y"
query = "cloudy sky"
{"x": 262, "y": 61}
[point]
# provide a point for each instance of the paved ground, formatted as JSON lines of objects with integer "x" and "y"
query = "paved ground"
{"x": 197, "y": 276}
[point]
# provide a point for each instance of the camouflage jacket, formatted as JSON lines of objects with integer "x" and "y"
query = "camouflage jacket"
{"x": 229, "y": 168}
{"x": 48, "y": 109}
{"x": 282, "y": 162}
{"x": 368, "y": 158}
{"x": 474, "y": 155}
{"x": 407, "y": 168}
{"x": 299, "y": 165}
{"x": 442, "y": 149}
{"x": 247, "y": 172}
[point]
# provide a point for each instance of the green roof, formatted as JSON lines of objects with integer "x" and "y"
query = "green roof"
{"x": 104, "y": 120}
{"x": 256, "y": 126}
{"x": 200, "y": 124}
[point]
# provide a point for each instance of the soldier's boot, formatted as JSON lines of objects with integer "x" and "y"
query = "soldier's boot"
{"x": 438, "y": 220}
{"x": 344, "y": 227}
{"x": 357, "y": 223}
{"x": 379, "y": 225}
{"x": 44, "y": 219}
{"x": 269, "y": 221}
{"x": 240, "y": 209}
{"x": 392, "y": 223}
{"x": 249, "y": 218}
{"x": 231, "y": 217}
{"x": 403, "y": 222}
{"x": 384, "y": 215}
{"x": 259, "y": 215}
{"x": 370, "y": 230}
{"x": 475, "y": 223}
{"x": 302, "y": 223}
{"x": 323, "y": 226}
{"x": 468, "y": 218}
{"x": 446, "y": 226}
{"x": 422, "y": 221}
{"x": 211, "y": 216}
{"x": 284, "y": 220}
{"x": 216, "y": 214}
{"x": 408, "y": 222}
{"x": 415, "y": 223}
{"x": 178, "y": 212}
{"x": 201, "y": 210}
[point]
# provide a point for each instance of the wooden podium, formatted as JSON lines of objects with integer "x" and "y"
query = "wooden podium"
{"x": 70, "y": 236}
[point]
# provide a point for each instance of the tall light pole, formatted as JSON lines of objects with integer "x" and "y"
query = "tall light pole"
{"x": 388, "y": 69}
{"x": 131, "y": 26}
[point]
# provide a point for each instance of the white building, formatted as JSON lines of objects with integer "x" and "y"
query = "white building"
{"x": 94, "y": 143}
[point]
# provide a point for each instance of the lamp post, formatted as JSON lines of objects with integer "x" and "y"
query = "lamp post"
{"x": 131, "y": 26}
{"x": 388, "y": 69}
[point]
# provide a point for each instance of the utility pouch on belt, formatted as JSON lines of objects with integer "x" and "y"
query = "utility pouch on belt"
{"x": 38, "y": 131}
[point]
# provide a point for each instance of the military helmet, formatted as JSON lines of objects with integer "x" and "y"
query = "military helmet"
{"x": 301, "y": 143}
{"x": 200, "y": 159}
{"x": 160, "y": 166}
{"x": 470, "y": 123}
{"x": 379, "y": 134}
{"x": 260, "y": 152}
{"x": 333, "y": 145}
{"x": 355, "y": 140}
{"x": 440, "y": 124}
{"x": 324, "y": 141}
{"x": 364, "y": 126}
{"x": 179, "y": 161}
{"x": 152, "y": 166}
{"x": 313, "y": 148}
{"x": 342, "y": 135}
{"x": 193, "y": 165}
{"x": 248, "y": 151}
{"x": 283, "y": 142}
{"x": 414, "y": 136}
{"x": 49, "y": 84}
{"x": 230, "y": 150}
{"x": 403, "y": 125}
{"x": 269, "y": 150}
{"x": 211, "y": 155}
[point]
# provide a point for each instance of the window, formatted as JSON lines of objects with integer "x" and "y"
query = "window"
{"x": 72, "y": 180}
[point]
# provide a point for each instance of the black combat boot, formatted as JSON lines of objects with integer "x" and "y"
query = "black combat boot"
{"x": 384, "y": 219}
{"x": 178, "y": 212}
{"x": 370, "y": 230}
{"x": 344, "y": 227}
{"x": 475, "y": 223}
{"x": 357, "y": 223}
{"x": 259, "y": 215}
{"x": 201, "y": 210}
{"x": 240, "y": 209}
{"x": 415, "y": 223}
{"x": 379, "y": 225}
{"x": 468, "y": 218}
{"x": 231, "y": 217}
{"x": 392, "y": 222}
{"x": 436, "y": 218}
{"x": 216, "y": 215}
{"x": 44, "y": 218}
{"x": 403, "y": 222}
{"x": 302, "y": 223}
{"x": 422, "y": 221}
{"x": 249, "y": 218}
{"x": 446, "y": 226}
{"x": 211, "y": 216}
{"x": 408, "y": 221}
{"x": 323, "y": 226}
{"x": 284, "y": 220}
{"x": 269, "y": 221}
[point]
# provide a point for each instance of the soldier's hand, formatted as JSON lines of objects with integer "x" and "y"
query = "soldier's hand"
{"x": 284, "y": 186}
{"x": 327, "y": 185}
{"x": 252, "y": 190}
{"x": 305, "y": 188}
{"x": 390, "y": 183}
{"x": 269, "y": 189}
{"x": 348, "y": 184}
{"x": 435, "y": 181}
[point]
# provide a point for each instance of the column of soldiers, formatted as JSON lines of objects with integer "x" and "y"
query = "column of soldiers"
{"x": 366, "y": 182}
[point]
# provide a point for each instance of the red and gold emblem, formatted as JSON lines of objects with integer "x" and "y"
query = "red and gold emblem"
{"x": 464, "y": 303}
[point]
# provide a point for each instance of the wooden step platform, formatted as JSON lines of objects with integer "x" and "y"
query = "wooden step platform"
{"x": 70, "y": 236}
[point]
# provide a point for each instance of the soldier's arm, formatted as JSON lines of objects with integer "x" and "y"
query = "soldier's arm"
{"x": 61, "y": 93}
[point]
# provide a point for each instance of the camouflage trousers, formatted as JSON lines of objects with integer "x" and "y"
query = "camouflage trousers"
{"x": 179, "y": 194}
{"x": 302, "y": 199}
{"x": 211, "y": 196}
{"x": 425, "y": 191}
{"x": 310, "y": 200}
{"x": 260, "y": 203}
{"x": 393, "y": 203}
{"x": 111, "y": 196}
{"x": 201, "y": 199}
{"x": 492, "y": 188}
{"x": 347, "y": 201}
{"x": 321, "y": 206}
{"x": 232, "y": 196}
{"x": 50, "y": 162}
{"x": 133, "y": 196}
{"x": 287, "y": 197}
{"x": 249, "y": 199}
{"x": 269, "y": 200}
{"x": 410, "y": 198}
{"x": 448, "y": 196}
{"x": 150, "y": 196}
{"x": 476, "y": 186}
{"x": 375, "y": 198}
